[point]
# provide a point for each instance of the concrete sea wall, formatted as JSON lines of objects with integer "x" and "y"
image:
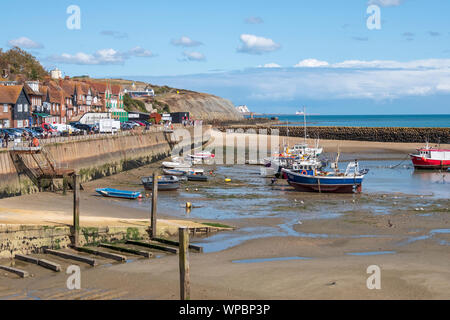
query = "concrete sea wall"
{"x": 27, "y": 239}
{"x": 95, "y": 158}
{"x": 419, "y": 135}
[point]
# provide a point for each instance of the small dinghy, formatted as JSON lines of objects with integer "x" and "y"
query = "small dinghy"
{"x": 174, "y": 172}
{"x": 175, "y": 165}
{"x": 114, "y": 193}
{"x": 165, "y": 183}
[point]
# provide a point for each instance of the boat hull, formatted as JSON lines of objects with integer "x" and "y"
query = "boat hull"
{"x": 429, "y": 164}
{"x": 113, "y": 193}
{"x": 200, "y": 178}
{"x": 327, "y": 188}
{"x": 165, "y": 184}
{"x": 307, "y": 183}
{"x": 162, "y": 186}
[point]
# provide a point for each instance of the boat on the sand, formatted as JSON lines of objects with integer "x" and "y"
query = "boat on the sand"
{"x": 114, "y": 193}
{"x": 165, "y": 183}
{"x": 431, "y": 158}
{"x": 324, "y": 181}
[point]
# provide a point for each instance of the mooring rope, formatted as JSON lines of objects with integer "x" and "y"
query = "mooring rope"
{"x": 393, "y": 167}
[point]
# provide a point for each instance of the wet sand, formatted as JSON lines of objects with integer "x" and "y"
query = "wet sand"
{"x": 410, "y": 246}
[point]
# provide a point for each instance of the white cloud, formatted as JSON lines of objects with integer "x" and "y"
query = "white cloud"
{"x": 386, "y": 3}
{"x": 101, "y": 57}
{"x": 254, "y": 20}
{"x": 186, "y": 42}
{"x": 420, "y": 78}
{"x": 270, "y": 65}
{"x": 252, "y": 44}
{"x": 25, "y": 43}
{"x": 194, "y": 56}
{"x": 141, "y": 52}
{"x": 390, "y": 64}
{"x": 114, "y": 34}
{"x": 311, "y": 63}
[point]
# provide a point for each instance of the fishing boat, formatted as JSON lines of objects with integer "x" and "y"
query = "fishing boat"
{"x": 114, "y": 193}
{"x": 193, "y": 176}
{"x": 165, "y": 183}
{"x": 333, "y": 182}
{"x": 431, "y": 158}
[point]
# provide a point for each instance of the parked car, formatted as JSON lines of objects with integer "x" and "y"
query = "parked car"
{"x": 33, "y": 133}
{"x": 132, "y": 124}
{"x": 50, "y": 129}
{"x": 87, "y": 128}
{"x": 13, "y": 133}
{"x": 138, "y": 122}
{"x": 126, "y": 126}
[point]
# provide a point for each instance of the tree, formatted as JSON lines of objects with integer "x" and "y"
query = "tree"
{"x": 22, "y": 63}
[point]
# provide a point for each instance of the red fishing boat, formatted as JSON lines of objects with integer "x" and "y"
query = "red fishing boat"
{"x": 431, "y": 158}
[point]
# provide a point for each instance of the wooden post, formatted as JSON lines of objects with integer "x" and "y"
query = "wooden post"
{"x": 154, "y": 204}
{"x": 185, "y": 281}
{"x": 76, "y": 209}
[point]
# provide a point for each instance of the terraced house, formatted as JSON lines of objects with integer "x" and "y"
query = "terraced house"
{"x": 15, "y": 107}
{"x": 57, "y": 101}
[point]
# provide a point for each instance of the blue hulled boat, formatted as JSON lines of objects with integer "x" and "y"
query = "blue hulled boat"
{"x": 114, "y": 193}
{"x": 322, "y": 181}
{"x": 165, "y": 183}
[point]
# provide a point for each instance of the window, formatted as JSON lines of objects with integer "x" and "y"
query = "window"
{"x": 5, "y": 108}
{"x": 19, "y": 124}
{"x": 19, "y": 108}
{"x": 25, "y": 107}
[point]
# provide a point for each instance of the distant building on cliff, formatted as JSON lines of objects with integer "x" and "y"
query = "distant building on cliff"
{"x": 56, "y": 74}
{"x": 242, "y": 109}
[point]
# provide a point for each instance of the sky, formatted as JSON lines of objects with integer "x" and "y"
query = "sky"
{"x": 332, "y": 56}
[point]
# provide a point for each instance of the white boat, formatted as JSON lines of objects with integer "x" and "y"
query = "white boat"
{"x": 303, "y": 149}
{"x": 176, "y": 165}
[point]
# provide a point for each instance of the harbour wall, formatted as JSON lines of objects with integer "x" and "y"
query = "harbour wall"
{"x": 386, "y": 134}
{"x": 96, "y": 158}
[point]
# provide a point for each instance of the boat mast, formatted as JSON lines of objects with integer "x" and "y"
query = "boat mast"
{"x": 304, "y": 121}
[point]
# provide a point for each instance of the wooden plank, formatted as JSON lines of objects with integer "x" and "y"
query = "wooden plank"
{"x": 20, "y": 273}
{"x": 127, "y": 250}
{"x": 40, "y": 262}
{"x": 185, "y": 282}
{"x": 50, "y": 265}
{"x": 71, "y": 256}
{"x": 154, "y": 205}
{"x": 177, "y": 244}
{"x": 103, "y": 254}
{"x": 76, "y": 210}
{"x": 153, "y": 246}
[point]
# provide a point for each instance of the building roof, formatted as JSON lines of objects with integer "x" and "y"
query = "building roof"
{"x": 55, "y": 93}
{"x": 30, "y": 91}
{"x": 10, "y": 94}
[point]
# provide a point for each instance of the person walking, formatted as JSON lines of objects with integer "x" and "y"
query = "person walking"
{"x": 6, "y": 137}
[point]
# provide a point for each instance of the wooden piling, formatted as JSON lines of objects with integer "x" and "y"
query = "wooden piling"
{"x": 66, "y": 255}
{"x": 153, "y": 246}
{"x": 40, "y": 262}
{"x": 20, "y": 273}
{"x": 154, "y": 205}
{"x": 76, "y": 210}
{"x": 103, "y": 254}
{"x": 145, "y": 254}
{"x": 185, "y": 285}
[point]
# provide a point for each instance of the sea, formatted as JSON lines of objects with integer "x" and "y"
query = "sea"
{"x": 407, "y": 121}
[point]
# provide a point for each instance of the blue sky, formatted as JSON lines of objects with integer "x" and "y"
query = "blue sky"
{"x": 321, "y": 53}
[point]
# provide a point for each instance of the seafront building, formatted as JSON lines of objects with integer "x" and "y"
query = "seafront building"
{"x": 57, "y": 101}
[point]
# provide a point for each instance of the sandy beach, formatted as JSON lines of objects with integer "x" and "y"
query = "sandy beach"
{"x": 317, "y": 259}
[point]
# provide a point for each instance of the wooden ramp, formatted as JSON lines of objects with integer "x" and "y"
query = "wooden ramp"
{"x": 38, "y": 164}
